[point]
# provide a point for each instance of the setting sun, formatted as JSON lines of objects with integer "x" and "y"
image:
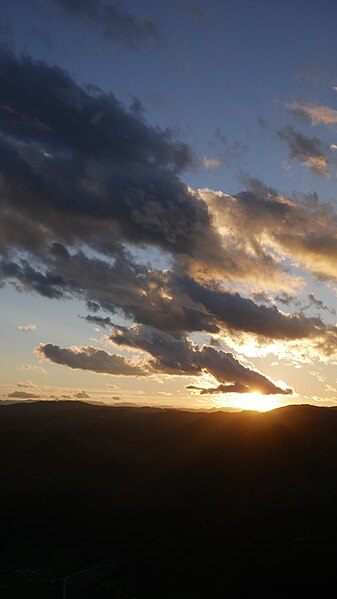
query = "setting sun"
{"x": 256, "y": 401}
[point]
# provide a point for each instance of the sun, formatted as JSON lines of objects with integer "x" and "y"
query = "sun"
{"x": 255, "y": 401}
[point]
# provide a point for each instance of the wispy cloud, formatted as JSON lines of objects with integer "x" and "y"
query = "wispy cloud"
{"x": 310, "y": 151}
{"x": 111, "y": 21}
{"x": 313, "y": 114}
{"x": 33, "y": 368}
{"x": 23, "y": 395}
{"x": 26, "y": 384}
{"x": 26, "y": 327}
{"x": 211, "y": 163}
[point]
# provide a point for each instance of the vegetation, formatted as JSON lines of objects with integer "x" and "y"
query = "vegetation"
{"x": 172, "y": 503}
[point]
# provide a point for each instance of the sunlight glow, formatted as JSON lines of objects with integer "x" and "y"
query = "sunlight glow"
{"x": 256, "y": 401}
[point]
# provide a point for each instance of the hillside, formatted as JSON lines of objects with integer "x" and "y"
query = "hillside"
{"x": 179, "y": 501}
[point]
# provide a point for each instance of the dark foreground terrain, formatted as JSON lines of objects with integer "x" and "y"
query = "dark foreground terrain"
{"x": 167, "y": 504}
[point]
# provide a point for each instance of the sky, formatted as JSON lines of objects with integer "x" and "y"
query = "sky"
{"x": 168, "y": 210}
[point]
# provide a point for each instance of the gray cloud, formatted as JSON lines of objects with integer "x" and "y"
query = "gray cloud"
{"x": 170, "y": 355}
{"x": 112, "y": 21}
{"x": 165, "y": 300}
{"x": 76, "y": 166}
{"x": 176, "y": 355}
{"x": 310, "y": 151}
{"x": 316, "y": 303}
{"x": 23, "y": 395}
{"x": 243, "y": 314}
{"x": 89, "y": 358}
{"x": 104, "y": 322}
{"x": 81, "y": 395}
{"x": 81, "y": 175}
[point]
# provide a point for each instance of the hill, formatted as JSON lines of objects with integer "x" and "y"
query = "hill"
{"x": 200, "y": 504}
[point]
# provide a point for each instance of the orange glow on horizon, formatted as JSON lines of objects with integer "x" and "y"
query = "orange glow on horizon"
{"x": 254, "y": 401}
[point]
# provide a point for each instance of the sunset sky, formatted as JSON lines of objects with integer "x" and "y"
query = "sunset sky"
{"x": 168, "y": 202}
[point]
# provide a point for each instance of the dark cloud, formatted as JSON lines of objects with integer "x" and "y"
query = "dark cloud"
{"x": 310, "y": 151}
{"x": 172, "y": 353}
{"x": 31, "y": 279}
{"x": 81, "y": 177}
{"x": 234, "y": 388}
{"x": 164, "y": 300}
{"x": 93, "y": 306}
{"x": 286, "y": 299}
{"x": 23, "y": 395}
{"x": 150, "y": 297}
{"x": 76, "y": 166}
{"x": 176, "y": 355}
{"x": 243, "y": 314}
{"x": 112, "y": 21}
{"x": 90, "y": 358}
{"x": 316, "y": 303}
{"x": 99, "y": 320}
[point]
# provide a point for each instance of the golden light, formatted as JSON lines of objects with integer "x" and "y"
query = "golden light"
{"x": 254, "y": 401}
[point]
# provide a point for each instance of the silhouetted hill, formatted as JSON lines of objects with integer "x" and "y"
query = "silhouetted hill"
{"x": 200, "y": 503}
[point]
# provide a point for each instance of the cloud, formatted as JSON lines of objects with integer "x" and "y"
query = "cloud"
{"x": 33, "y": 368}
{"x": 302, "y": 229}
{"x": 112, "y": 21}
{"x": 103, "y": 322}
{"x": 86, "y": 184}
{"x": 175, "y": 303}
{"x": 313, "y": 114}
{"x": 78, "y": 167}
{"x": 26, "y": 384}
{"x": 316, "y": 303}
{"x": 23, "y": 395}
{"x": 81, "y": 395}
{"x": 310, "y": 151}
{"x": 243, "y": 314}
{"x": 176, "y": 355}
{"x": 170, "y": 355}
{"x": 26, "y": 327}
{"x": 211, "y": 163}
{"x": 89, "y": 358}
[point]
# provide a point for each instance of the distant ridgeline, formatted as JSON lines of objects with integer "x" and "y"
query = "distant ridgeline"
{"x": 199, "y": 503}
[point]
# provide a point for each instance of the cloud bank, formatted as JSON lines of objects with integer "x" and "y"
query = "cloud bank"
{"x": 86, "y": 183}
